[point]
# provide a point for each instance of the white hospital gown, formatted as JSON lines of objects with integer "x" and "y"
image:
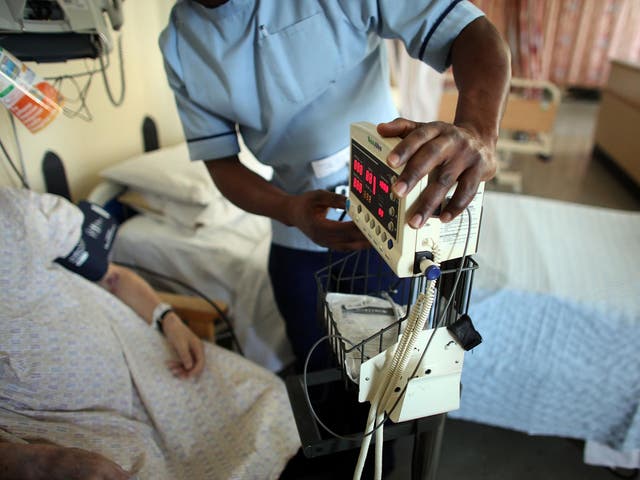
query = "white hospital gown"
{"x": 78, "y": 368}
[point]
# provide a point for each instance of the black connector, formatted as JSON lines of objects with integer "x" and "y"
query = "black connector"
{"x": 466, "y": 334}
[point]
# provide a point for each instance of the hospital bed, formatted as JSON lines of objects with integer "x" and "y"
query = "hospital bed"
{"x": 557, "y": 301}
{"x": 176, "y": 223}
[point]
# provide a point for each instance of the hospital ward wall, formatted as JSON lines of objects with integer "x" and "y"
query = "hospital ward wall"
{"x": 114, "y": 134}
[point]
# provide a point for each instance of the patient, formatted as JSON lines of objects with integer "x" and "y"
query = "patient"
{"x": 88, "y": 389}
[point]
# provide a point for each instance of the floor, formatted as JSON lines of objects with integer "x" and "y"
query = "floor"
{"x": 479, "y": 452}
{"x": 572, "y": 174}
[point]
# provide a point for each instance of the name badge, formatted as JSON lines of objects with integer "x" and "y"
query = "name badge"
{"x": 331, "y": 164}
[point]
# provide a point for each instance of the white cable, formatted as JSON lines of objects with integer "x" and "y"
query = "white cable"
{"x": 107, "y": 86}
{"x": 379, "y": 443}
{"x": 378, "y": 391}
{"x": 392, "y": 374}
{"x": 405, "y": 356}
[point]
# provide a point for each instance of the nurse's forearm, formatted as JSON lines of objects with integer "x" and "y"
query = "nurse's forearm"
{"x": 248, "y": 190}
{"x": 482, "y": 71}
{"x": 306, "y": 211}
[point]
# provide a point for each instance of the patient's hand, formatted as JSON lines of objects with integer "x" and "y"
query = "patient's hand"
{"x": 53, "y": 462}
{"x": 187, "y": 346}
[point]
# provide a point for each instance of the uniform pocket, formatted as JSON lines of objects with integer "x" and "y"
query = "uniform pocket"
{"x": 300, "y": 60}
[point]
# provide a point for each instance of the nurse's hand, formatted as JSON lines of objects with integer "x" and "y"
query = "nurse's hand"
{"x": 446, "y": 152}
{"x": 51, "y": 462}
{"x": 186, "y": 344}
{"x": 308, "y": 212}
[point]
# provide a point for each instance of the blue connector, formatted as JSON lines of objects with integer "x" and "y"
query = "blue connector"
{"x": 432, "y": 272}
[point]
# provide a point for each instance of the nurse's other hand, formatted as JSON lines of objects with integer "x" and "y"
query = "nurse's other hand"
{"x": 53, "y": 462}
{"x": 450, "y": 154}
{"x": 308, "y": 212}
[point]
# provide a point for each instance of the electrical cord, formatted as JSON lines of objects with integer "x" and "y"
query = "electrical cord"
{"x": 455, "y": 283}
{"x": 82, "y": 111}
{"x": 459, "y": 271}
{"x": 393, "y": 377}
{"x": 162, "y": 276}
{"x": 382, "y": 417}
{"x": 392, "y": 374}
{"x": 123, "y": 85}
{"x": 22, "y": 178}
{"x": 358, "y": 437}
{"x": 442, "y": 316}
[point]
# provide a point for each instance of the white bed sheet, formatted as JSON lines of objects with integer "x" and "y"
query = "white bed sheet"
{"x": 227, "y": 262}
{"x": 557, "y": 300}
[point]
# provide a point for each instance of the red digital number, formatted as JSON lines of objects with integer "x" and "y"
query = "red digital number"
{"x": 368, "y": 176}
{"x": 357, "y": 167}
{"x": 384, "y": 186}
{"x": 357, "y": 185}
{"x": 380, "y": 212}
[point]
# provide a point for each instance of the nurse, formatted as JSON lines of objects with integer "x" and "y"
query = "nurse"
{"x": 290, "y": 76}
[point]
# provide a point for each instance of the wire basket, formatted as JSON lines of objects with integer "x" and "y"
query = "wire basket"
{"x": 361, "y": 284}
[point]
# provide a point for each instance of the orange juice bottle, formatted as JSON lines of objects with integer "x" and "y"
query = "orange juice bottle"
{"x": 34, "y": 101}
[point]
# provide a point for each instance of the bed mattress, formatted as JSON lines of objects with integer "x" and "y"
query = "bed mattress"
{"x": 557, "y": 301}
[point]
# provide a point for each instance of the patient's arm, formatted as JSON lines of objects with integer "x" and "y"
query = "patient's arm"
{"x": 51, "y": 462}
{"x": 138, "y": 294}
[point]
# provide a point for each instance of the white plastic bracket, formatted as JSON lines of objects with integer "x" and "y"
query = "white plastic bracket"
{"x": 434, "y": 389}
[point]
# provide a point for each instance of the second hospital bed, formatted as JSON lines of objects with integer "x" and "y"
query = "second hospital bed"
{"x": 557, "y": 301}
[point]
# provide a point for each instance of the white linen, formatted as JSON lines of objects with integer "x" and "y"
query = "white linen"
{"x": 582, "y": 253}
{"x": 226, "y": 262}
{"x": 168, "y": 172}
{"x": 596, "y": 453}
{"x": 556, "y": 299}
{"x": 80, "y": 369}
{"x": 182, "y": 215}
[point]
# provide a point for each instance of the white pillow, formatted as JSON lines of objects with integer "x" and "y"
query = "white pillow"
{"x": 166, "y": 210}
{"x": 168, "y": 172}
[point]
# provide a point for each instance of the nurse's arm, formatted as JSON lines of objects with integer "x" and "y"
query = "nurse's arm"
{"x": 306, "y": 211}
{"x": 465, "y": 151}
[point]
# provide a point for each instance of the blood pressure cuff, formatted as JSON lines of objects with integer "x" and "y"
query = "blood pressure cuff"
{"x": 90, "y": 257}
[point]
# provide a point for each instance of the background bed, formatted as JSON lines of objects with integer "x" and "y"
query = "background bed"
{"x": 557, "y": 300}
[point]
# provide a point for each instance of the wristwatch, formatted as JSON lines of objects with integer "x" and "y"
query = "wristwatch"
{"x": 159, "y": 313}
